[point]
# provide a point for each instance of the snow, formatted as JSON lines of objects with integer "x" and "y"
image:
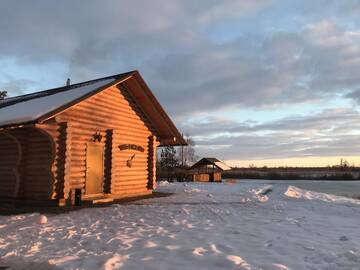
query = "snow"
{"x": 299, "y": 193}
{"x": 222, "y": 165}
{"x": 32, "y": 109}
{"x": 203, "y": 226}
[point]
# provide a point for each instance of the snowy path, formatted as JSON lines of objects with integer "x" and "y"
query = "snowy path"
{"x": 202, "y": 226}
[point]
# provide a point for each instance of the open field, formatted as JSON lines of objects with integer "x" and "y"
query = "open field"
{"x": 211, "y": 226}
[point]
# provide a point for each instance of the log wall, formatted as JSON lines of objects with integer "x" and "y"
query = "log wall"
{"x": 36, "y": 165}
{"x": 26, "y": 164}
{"x": 207, "y": 177}
{"x": 10, "y": 154}
{"x": 114, "y": 114}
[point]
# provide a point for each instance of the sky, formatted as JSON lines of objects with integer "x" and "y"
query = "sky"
{"x": 264, "y": 82}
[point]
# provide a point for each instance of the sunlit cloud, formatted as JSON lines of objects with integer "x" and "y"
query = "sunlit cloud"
{"x": 247, "y": 79}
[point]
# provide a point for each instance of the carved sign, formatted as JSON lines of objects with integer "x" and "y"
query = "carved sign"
{"x": 132, "y": 147}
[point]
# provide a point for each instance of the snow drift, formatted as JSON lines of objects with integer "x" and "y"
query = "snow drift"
{"x": 295, "y": 192}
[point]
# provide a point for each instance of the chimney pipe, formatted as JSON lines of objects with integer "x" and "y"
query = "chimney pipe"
{"x": 68, "y": 82}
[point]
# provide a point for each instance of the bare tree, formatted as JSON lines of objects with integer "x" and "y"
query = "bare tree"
{"x": 187, "y": 154}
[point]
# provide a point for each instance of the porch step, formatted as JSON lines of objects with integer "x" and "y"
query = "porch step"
{"x": 102, "y": 200}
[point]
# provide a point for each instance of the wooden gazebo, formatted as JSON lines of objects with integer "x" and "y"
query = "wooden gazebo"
{"x": 208, "y": 170}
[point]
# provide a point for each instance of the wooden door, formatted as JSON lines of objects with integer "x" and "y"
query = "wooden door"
{"x": 94, "y": 169}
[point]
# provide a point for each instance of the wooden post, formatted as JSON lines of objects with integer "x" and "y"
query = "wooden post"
{"x": 152, "y": 144}
{"x": 155, "y": 145}
{"x": 109, "y": 147}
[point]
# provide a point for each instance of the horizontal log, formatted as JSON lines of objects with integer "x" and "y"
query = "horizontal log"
{"x": 104, "y": 111}
{"x": 132, "y": 192}
{"x": 131, "y": 189}
{"x": 78, "y": 151}
{"x": 8, "y": 164}
{"x": 113, "y": 101}
{"x": 102, "y": 123}
{"x": 124, "y": 175}
{"x": 38, "y": 168}
{"x": 39, "y": 149}
{"x": 43, "y": 186}
{"x": 9, "y": 146}
{"x": 125, "y": 157}
{"x": 77, "y": 148}
{"x": 76, "y": 180}
{"x": 7, "y": 174}
{"x": 101, "y": 119}
{"x": 77, "y": 174}
{"x": 77, "y": 158}
{"x": 78, "y": 183}
{"x": 110, "y": 98}
{"x": 140, "y": 140}
{"x": 77, "y": 169}
{"x": 130, "y": 181}
{"x": 75, "y": 163}
{"x": 133, "y": 133}
{"x": 124, "y": 168}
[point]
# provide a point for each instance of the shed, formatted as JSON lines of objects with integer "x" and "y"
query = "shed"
{"x": 94, "y": 140}
{"x": 208, "y": 170}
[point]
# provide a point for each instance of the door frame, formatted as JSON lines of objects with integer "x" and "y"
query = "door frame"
{"x": 86, "y": 194}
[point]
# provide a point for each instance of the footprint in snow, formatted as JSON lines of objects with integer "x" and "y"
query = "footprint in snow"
{"x": 116, "y": 261}
{"x": 214, "y": 249}
{"x": 199, "y": 251}
{"x": 237, "y": 260}
{"x": 280, "y": 266}
{"x": 150, "y": 244}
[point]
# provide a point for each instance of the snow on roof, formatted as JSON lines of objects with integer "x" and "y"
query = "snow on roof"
{"x": 30, "y": 110}
{"x": 222, "y": 165}
{"x": 218, "y": 163}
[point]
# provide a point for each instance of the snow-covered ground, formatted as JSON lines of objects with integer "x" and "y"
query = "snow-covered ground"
{"x": 202, "y": 226}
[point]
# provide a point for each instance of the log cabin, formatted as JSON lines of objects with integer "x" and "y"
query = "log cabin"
{"x": 208, "y": 170}
{"x": 92, "y": 141}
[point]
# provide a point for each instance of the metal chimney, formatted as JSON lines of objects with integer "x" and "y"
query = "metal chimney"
{"x": 68, "y": 82}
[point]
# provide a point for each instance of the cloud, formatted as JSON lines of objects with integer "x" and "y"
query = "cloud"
{"x": 232, "y": 9}
{"x": 17, "y": 87}
{"x": 167, "y": 41}
{"x": 354, "y": 95}
{"x": 201, "y": 57}
{"x": 328, "y": 133}
{"x": 318, "y": 63}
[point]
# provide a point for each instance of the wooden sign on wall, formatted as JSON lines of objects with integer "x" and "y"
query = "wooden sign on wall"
{"x": 131, "y": 147}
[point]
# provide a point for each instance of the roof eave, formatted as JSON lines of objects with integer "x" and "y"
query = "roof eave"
{"x": 18, "y": 125}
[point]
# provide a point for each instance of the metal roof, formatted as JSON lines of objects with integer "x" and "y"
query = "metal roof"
{"x": 36, "y": 107}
